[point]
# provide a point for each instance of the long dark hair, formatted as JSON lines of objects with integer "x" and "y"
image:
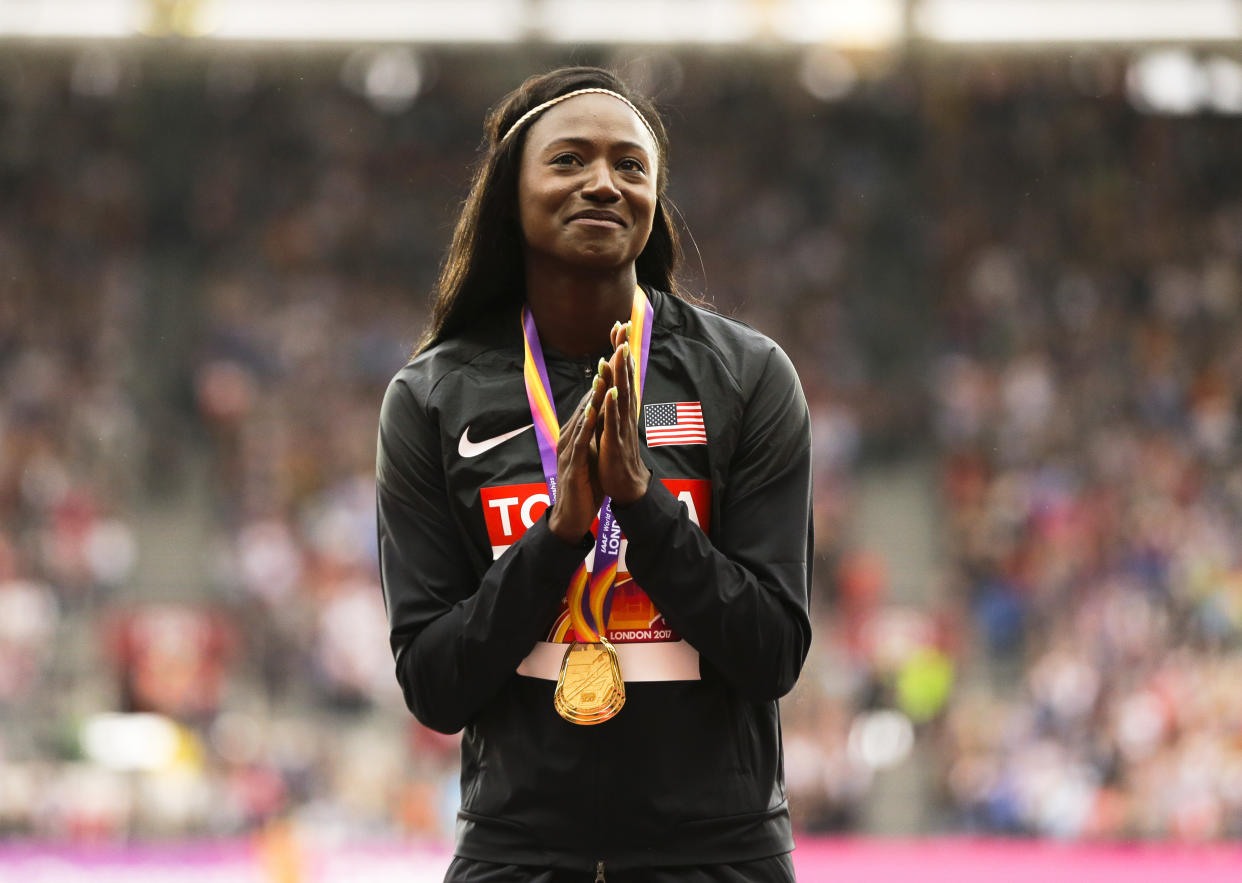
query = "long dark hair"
{"x": 484, "y": 269}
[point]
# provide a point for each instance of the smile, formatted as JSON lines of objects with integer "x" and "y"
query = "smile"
{"x": 597, "y": 218}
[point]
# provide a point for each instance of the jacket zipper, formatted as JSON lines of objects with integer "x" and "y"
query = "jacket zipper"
{"x": 599, "y": 872}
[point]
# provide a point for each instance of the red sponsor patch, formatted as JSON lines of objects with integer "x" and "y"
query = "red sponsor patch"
{"x": 696, "y": 495}
{"x": 510, "y": 510}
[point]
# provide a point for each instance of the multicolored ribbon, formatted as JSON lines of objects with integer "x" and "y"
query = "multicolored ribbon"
{"x": 589, "y": 594}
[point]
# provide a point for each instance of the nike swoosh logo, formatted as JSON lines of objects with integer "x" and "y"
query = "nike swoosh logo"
{"x": 468, "y": 448}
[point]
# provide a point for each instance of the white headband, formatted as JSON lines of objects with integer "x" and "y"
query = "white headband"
{"x": 558, "y": 99}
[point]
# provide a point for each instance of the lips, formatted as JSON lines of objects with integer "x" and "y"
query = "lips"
{"x": 598, "y": 215}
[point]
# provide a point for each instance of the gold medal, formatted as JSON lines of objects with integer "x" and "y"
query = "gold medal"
{"x": 589, "y": 689}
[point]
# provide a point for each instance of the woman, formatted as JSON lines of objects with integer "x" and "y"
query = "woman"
{"x": 651, "y": 749}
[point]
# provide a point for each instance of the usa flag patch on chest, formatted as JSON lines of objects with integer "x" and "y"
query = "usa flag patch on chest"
{"x": 674, "y": 423}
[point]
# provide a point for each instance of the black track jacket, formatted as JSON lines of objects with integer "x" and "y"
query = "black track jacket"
{"x": 690, "y": 771}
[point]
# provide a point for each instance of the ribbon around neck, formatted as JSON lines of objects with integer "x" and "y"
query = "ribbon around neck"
{"x": 589, "y": 594}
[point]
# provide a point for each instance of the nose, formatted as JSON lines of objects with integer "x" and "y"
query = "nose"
{"x": 599, "y": 185}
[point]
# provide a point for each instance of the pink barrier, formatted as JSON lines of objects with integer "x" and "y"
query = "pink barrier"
{"x": 1006, "y": 861}
{"x": 826, "y": 860}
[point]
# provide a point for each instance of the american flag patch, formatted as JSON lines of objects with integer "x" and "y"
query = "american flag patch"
{"x": 674, "y": 423}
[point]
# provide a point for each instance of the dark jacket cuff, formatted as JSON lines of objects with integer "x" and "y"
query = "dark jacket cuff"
{"x": 651, "y": 515}
{"x": 540, "y": 537}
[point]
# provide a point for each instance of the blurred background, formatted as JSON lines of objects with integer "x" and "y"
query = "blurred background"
{"x": 1001, "y": 241}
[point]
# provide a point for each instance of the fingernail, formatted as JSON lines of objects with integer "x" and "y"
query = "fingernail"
{"x": 625, "y": 350}
{"x": 613, "y": 392}
{"x": 602, "y": 363}
{"x": 590, "y": 411}
{"x": 616, "y": 325}
{"x": 595, "y": 383}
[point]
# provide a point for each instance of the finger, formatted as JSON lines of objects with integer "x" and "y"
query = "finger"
{"x": 631, "y": 385}
{"x": 612, "y": 425}
{"x": 590, "y": 414}
{"x": 602, "y": 382}
{"x": 599, "y": 388}
{"x": 614, "y": 372}
{"x": 570, "y": 427}
{"x": 578, "y": 409}
{"x": 624, "y": 386}
{"x": 604, "y": 371}
{"x": 620, "y": 333}
{"x": 616, "y": 363}
{"x": 586, "y": 432}
{"x": 573, "y": 460}
{"x": 605, "y": 383}
{"x": 587, "y": 447}
{"x": 582, "y": 403}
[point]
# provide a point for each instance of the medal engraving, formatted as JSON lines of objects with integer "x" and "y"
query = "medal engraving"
{"x": 590, "y": 689}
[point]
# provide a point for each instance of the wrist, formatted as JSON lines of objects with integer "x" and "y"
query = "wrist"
{"x": 567, "y": 533}
{"x": 635, "y": 492}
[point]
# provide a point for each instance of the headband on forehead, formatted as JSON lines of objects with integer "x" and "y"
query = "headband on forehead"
{"x": 538, "y": 109}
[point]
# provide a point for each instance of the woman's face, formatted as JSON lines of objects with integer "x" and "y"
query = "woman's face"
{"x": 587, "y": 185}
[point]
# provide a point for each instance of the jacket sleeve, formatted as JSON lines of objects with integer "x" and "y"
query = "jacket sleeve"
{"x": 741, "y": 600}
{"x": 457, "y": 638}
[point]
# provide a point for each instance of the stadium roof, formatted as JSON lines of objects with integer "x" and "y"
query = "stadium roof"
{"x": 848, "y": 24}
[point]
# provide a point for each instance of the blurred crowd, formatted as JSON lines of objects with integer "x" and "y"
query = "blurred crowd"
{"x": 72, "y": 221}
{"x": 1001, "y": 271}
{"x": 1087, "y": 392}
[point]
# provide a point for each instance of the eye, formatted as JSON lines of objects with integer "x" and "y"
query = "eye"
{"x": 565, "y": 159}
{"x": 629, "y": 164}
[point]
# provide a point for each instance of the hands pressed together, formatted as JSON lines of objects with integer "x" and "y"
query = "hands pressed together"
{"x": 598, "y": 451}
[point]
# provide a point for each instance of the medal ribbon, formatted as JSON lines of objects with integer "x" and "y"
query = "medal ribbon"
{"x": 589, "y": 594}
